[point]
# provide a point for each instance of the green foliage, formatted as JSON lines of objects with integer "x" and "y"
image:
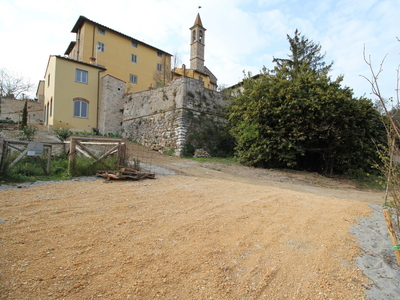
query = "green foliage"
{"x": 303, "y": 51}
{"x": 24, "y": 122}
{"x": 188, "y": 150}
{"x": 62, "y": 133}
{"x": 304, "y": 120}
{"x": 27, "y": 133}
{"x": 87, "y": 166}
{"x": 366, "y": 180}
{"x": 204, "y": 132}
{"x": 170, "y": 152}
{"x": 220, "y": 160}
{"x": 8, "y": 121}
{"x": 28, "y": 169}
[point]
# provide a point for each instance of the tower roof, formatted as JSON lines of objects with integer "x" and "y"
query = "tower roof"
{"x": 198, "y": 21}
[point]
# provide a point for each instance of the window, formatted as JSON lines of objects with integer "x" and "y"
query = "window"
{"x": 80, "y": 109}
{"x": 134, "y": 44}
{"x": 134, "y": 58}
{"x": 81, "y": 76}
{"x": 100, "y": 47}
{"x": 101, "y": 31}
{"x": 133, "y": 78}
{"x": 159, "y": 67}
{"x": 194, "y": 36}
{"x": 159, "y": 54}
{"x": 48, "y": 80}
{"x": 51, "y": 107}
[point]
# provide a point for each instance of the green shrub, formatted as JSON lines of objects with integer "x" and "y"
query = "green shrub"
{"x": 87, "y": 166}
{"x": 27, "y": 133}
{"x": 170, "y": 152}
{"x": 62, "y": 133}
{"x": 28, "y": 169}
{"x": 188, "y": 150}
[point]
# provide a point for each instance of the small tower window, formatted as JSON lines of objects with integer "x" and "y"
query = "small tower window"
{"x": 201, "y": 36}
{"x": 194, "y": 35}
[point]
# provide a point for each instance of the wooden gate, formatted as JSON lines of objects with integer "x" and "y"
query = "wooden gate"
{"x": 6, "y": 144}
{"x": 78, "y": 145}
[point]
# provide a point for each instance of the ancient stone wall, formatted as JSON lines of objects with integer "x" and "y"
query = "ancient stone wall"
{"x": 111, "y": 105}
{"x": 11, "y": 109}
{"x": 169, "y": 117}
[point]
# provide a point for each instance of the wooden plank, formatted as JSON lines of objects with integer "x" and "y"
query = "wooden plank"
{"x": 113, "y": 140}
{"x": 49, "y": 159}
{"x": 71, "y": 158}
{"x": 3, "y": 155}
{"x": 86, "y": 149}
{"x": 17, "y": 159}
{"x": 121, "y": 154}
{"x": 26, "y": 143}
{"x": 109, "y": 152}
{"x": 16, "y": 148}
{"x": 82, "y": 152}
{"x": 392, "y": 233}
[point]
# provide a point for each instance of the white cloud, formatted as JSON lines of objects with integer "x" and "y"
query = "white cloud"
{"x": 241, "y": 34}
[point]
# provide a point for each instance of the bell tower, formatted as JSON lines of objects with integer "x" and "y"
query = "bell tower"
{"x": 197, "y": 39}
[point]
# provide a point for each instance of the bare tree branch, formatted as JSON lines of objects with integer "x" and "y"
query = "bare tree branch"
{"x": 13, "y": 85}
{"x": 376, "y": 90}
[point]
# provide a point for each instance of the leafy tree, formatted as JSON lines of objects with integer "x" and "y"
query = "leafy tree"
{"x": 302, "y": 119}
{"x": 303, "y": 51}
{"x": 13, "y": 85}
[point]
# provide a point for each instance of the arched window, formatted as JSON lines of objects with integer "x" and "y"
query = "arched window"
{"x": 201, "y": 36}
{"x": 194, "y": 36}
{"x": 81, "y": 108}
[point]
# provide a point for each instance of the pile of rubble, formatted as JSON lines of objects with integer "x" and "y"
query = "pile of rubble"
{"x": 201, "y": 153}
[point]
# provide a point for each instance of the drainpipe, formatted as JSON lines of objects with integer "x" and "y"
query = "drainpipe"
{"x": 98, "y": 98}
{"x": 79, "y": 43}
{"x": 93, "y": 41}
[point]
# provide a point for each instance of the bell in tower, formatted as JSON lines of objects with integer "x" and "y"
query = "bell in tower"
{"x": 197, "y": 45}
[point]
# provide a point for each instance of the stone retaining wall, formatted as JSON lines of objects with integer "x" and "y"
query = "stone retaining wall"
{"x": 170, "y": 117}
{"x": 11, "y": 109}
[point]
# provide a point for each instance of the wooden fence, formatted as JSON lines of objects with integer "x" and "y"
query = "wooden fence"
{"x": 34, "y": 149}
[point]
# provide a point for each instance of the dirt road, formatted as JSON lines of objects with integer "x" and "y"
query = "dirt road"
{"x": 219, "y": 232}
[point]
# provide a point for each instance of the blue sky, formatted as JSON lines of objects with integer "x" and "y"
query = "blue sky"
{"x": 242, "y": 35}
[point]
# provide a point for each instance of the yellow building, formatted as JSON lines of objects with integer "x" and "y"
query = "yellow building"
{"x": 71, "y": 93}
{"x": 73, "y": 82}
{"x": 197, "y": 68}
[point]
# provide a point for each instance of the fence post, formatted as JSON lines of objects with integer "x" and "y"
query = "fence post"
{"x": 71, "y": 160}
{"x": 3, "y": 147}
{"x": 49, "y": 159}
{"x": 121, "y": 154}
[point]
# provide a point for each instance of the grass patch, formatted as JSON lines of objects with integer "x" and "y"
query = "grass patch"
{"x": 373, "y": 182}
{"x": 87, "y": 166}
{"x": 220, "y": 160}
{"x": 28, "y": 169}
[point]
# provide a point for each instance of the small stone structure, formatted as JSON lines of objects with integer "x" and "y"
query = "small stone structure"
{"x": 181, "y": 114}
{"x": 111, "y": 105}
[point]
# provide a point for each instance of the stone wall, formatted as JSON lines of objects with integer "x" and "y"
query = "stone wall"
{"x": 111, "y": 105}
{"x": 11, "y": 109}
{"x": 169, "y": 117}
